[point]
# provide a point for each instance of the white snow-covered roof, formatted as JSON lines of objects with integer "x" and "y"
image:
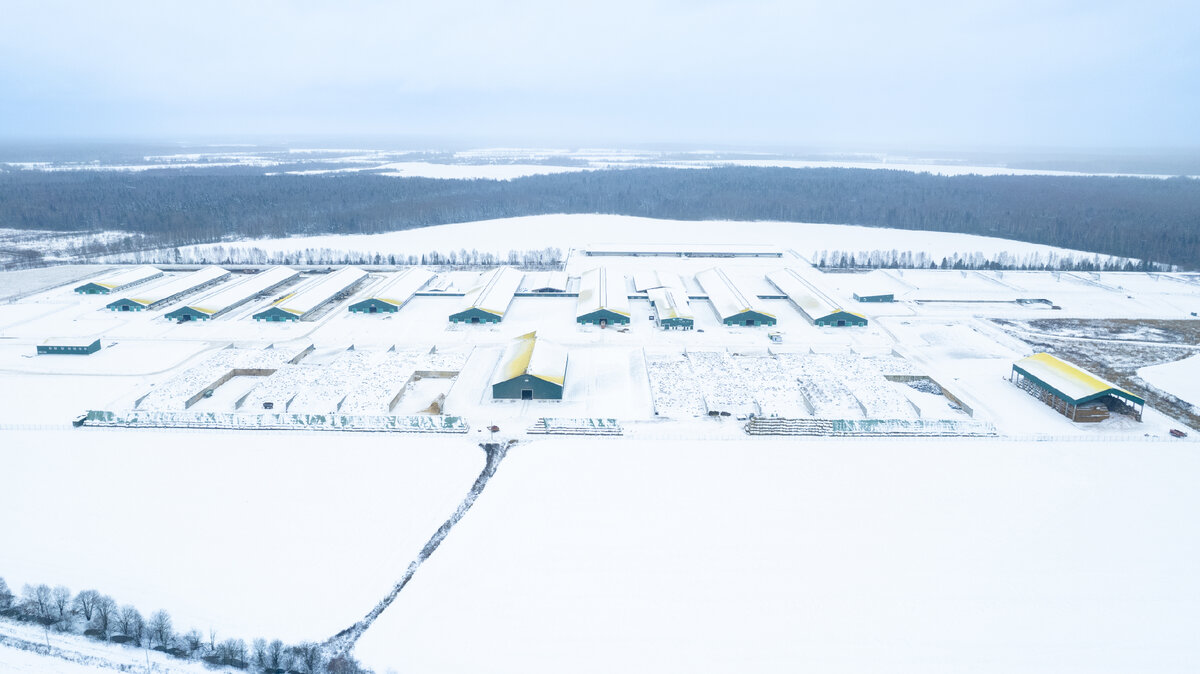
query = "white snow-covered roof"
{"x": 494, "y": 292}
{"x": 805, "y": 295}
{"x": 555, "y": 281}
{"x": 319, "y": 291}
{"x": 155, "y": 293}
{"x": 683, "y": 250}
{"x": 70, "y": 341}
{"x": 646, "y": 279}
{"x": 127, "y": 277}
{"x": 401, "y": 286}
{"x": 671, "y": 303}
{"x": 534, "y": 357}
{"x": 236, "y": 293}
{"x": 727, "y": 297}
{"x": 599, "y": 290}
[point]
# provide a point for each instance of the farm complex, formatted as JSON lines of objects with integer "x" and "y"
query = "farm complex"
{"x": 620, "y": 338}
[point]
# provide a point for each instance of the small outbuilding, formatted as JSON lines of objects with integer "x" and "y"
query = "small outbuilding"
{"x": 531, "y": 369}
{"x": 885, "y": 297}
{"x": 73, "y": 347}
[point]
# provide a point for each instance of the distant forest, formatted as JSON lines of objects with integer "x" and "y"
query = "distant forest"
{"x": 1149, "y": 219}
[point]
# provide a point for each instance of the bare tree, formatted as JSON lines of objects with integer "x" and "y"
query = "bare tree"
{"x": 160, "y": 628}
{"x": 128, "y": 621}
{"x": 232, "y": 652}
{"x": 309, "y": 657}
{"x": 85, "y": 603}
{"x": 37, "y": 602}
{"x": 6, "y": 596}
{"x": 277, "y": 656}
{"x": 259, "y": 653}
{"x": 61, "y": 598}
{"x": 192, "y": 641}
{"x": 212, "y": 640}
{"x": 104, "y": 613}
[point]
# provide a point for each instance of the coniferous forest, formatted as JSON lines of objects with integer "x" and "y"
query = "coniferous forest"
{"x": 1150, "y": 219}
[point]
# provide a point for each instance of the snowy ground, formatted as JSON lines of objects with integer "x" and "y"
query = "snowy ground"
{"x": 683, "y": 546}
{"x": 576, "y": 231}
{"x": 1181, "y": 378}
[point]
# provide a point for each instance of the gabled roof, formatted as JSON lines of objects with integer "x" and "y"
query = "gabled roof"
{"x": 601, "y": 291}
{"x": 155, "y": 293}
{"x": 235, "y": 293}
{"x": 555, "y": 281}
{"x": 533, "y": 357}
{"x": 805, "y": 295}
{"x": 494, "y": 292}
{"x": 727, "y": 297}
{"x": 319, "y": 291}
{"x": 671, "y": 304}
{"x": 646, "y": 279}
{"x": 1069, "y": 382}
{"x": 120, "y": 278}
{"x": 400, "y": 287}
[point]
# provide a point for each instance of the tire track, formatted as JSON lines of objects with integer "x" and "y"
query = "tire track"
{"x": 343, "y": 642}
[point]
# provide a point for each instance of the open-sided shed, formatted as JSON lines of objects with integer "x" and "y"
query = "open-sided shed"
{"x": 602, "y": 298}
{"x": 488, "y": 301}
{"x": 734, "y": 305}
{"x": 1076, "y": 393}
{"x": 531, "y": 369}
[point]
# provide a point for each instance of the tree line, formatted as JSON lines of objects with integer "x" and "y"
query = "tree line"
{"x": 99, "y": 616}
{"x": 542, "y": 258}
{"x": 1002, "y": 261}
{"x": 1143, "y": 218}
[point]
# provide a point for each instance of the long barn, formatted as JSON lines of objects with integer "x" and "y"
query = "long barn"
{"x": 815, "y": 305}
{"x": 233, "y": 295}
{"x": 119, "y": 280}
{"x": 306, "y": 300}
{"x": 602, "y": 298}
{"x": 1075, "y": 393}
{"x": 394, "y": 293}
{"x": 488, "y": 301}
{"x": 734, "y": 304}
{"x": 158, "y": 294}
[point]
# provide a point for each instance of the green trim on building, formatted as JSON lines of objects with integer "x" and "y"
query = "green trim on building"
{"x": 887, "y": 297}
{"x": 275, "y": 315}
{"x": 186, "y": 314}
{"x": 527, "y": 387}
{"x": 126, "y": 304}
{"x": 840, "y": 319}
{"x": 69, "y": 349}
{"x": 474, "y": 315}
{"x": 373, "y": 306}
{"x": 610, "y": 317}
{"x": 750, "y": 318}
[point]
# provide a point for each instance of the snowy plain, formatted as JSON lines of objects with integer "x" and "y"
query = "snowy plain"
{"x": 684, "y": 546}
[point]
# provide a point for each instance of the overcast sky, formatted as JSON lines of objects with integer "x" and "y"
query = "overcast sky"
{"x": 849, "y": 73}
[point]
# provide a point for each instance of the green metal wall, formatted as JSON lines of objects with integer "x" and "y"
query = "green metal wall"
{"x": 848, "y": 319}
{"x": 512, "y": 388}
{"x": 364, "y": 307}
{"x": 473, "y": 313}
{"x": 742, "y": 318}
{"x": 612, "y": 317}
{"x": 275, "y": 315}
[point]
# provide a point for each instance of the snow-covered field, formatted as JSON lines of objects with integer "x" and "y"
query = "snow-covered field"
{"x": 685, "y": 545}
{"x": 577, "y": 231}
{"x": 1181, "y": 378}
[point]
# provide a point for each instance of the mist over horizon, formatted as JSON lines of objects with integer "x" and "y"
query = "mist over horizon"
{"x": 855, "y": 77}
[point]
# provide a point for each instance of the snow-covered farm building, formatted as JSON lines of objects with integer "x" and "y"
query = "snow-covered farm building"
{"x": 735, "y": 305}
{"x": 158, "y": 294}
{"x": 672, "y": 311}
{"x": 882, "y": 297}
{"x": 679, "y": 250}
{"x": 602, "y": 298}
{"x": 233, "y": 295}
{"x": 531, "y": 369}
{"x": 1075, "y": 393}
{"x": 307, "y": 299}
{"x": 394, "y": 293}
{"x": 74, "y": 347}
{"x": 488, "y": 301}
{"x": 545, "y": 282}
{"x": 815, "y": 305}
{"x": 119, "y": 280}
